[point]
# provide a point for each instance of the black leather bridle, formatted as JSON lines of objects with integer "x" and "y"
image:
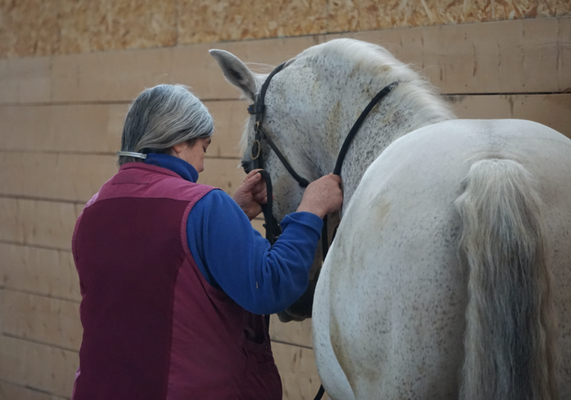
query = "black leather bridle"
{"x": 258, "y": 109}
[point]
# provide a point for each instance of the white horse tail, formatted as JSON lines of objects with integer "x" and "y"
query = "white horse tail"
{"x": 509, "y": 340}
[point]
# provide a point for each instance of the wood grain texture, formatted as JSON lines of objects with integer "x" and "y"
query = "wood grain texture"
{"x": 300, "y": 379}
{"x": 11, "y": 391}
{"x": 38, "y": 366}
{"x": 44, "y": 272}
{"x": 40, "y": 319}
{"x": 37, "y": 223}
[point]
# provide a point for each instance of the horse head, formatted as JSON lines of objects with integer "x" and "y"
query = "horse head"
{"x": 310, "y": 106}
{"x": 291, "y": 138}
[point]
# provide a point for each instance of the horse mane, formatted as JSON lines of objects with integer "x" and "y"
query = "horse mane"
{"x": 371, "y": 58}
{"x": 418, "y": 94}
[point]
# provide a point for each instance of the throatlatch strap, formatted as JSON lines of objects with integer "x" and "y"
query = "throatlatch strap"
{"x": 345, "y": 148}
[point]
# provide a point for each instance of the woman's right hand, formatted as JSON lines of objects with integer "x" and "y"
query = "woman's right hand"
{"x": 323, "y": 196}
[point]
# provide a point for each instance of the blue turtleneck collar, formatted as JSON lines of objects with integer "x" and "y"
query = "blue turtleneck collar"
{"x": 181, "y": 167}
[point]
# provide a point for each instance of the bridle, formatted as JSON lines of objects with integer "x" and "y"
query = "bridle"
{"x": 258, "y": 109}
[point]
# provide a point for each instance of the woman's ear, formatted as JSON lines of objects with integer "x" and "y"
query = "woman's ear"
{"x": 178, "y": 148}
{"x": 236, "y": 72}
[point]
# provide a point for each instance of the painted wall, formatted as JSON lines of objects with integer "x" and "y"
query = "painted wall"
{"x": 68, "y": 70}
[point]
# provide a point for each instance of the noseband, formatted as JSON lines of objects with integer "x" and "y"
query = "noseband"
{"x": 258, "y": 109}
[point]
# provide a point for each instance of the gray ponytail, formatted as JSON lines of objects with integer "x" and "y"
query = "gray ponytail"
{"x": 161, "y": 117}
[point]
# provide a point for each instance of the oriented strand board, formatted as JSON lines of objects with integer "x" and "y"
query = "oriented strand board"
{"x": 238, "y": 20}
{"x": 36, "y": 27}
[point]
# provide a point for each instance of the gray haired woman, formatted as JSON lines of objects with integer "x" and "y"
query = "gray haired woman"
{"x": 174, "y": 279}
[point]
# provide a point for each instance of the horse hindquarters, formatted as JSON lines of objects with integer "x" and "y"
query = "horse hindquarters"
{"x": 509, "y": 335}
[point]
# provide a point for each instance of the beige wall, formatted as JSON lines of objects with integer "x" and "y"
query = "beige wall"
{"x": 62, "y": 106}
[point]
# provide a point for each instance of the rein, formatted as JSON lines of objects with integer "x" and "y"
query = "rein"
{"x": 258, "y": 108}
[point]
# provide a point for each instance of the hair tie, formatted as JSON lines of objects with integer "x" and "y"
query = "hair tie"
{"x": 131, "y": 154}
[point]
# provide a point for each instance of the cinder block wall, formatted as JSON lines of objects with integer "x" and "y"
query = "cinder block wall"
{"x": 69, "y": 69}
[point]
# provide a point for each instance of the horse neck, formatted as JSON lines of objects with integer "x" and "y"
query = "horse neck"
{"x": 393, "y": 118}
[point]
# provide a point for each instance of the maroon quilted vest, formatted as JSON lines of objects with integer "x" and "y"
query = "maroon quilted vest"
{"x": 154, "y": 328}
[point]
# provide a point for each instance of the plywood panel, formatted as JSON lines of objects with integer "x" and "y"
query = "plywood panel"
{"x": 97, "y": 128}
{"x": 258, "y": 225}
{"x": 71, "y": 177}
{"x": 122, "y": 75}
{"x": 41, "y": 319}
{"x": 89, "y": 128}
{"x": 229, "y": 121}
{"x": 38, "y": 366}
{"x": 551, "y": 110}
{"x": 109, "y": 76}
{"x": 68, "y": 177}
{"x": 44, "y": 272}
{"x": 296, "y": 333}
{"x": 37, "y": 223}
{"x": 224, "y": 173}
{"x": 25, "y": 80}
{"x": 523, "y": 56}
{"x": 10, "y": 391}
{"x": 298, "y": 371}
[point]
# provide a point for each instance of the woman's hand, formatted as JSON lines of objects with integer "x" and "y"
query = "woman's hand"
{"x": 251, "y": 193}
{"x": 323, "y": 196}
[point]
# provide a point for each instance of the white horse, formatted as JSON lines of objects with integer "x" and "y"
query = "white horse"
{"x": 450, "y": 275}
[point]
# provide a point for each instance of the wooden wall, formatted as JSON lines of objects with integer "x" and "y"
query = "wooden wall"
{"x": 60, "y": 124}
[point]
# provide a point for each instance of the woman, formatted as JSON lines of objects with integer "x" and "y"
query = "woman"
{"x": 174, "y": 279}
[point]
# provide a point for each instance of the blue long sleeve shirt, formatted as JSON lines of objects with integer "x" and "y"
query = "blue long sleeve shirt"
{"x": 235, "y": 258}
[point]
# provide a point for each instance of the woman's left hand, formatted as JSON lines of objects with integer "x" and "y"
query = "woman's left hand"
{"x": 251, "y": 193}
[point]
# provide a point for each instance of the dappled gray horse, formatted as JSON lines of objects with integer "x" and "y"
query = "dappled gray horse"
{"x": 450, "y": 275}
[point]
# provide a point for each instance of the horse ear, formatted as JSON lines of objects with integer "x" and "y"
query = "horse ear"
{"x": 236, "y": 72}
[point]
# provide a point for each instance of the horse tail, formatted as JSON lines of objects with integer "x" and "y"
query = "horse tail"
{"x": 509, "y": 339}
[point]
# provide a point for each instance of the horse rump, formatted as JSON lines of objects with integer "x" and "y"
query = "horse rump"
{"x": 509, "y": 340}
